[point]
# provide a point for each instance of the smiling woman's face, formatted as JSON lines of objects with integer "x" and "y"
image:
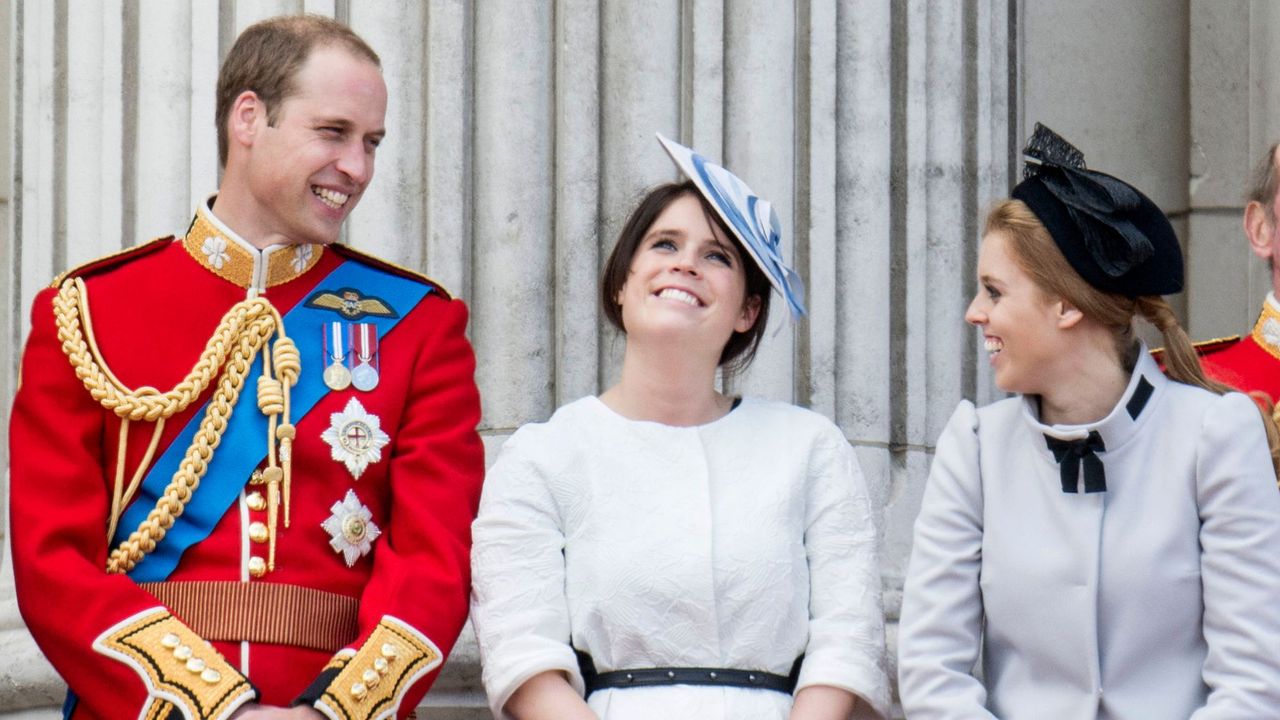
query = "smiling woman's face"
{"x": 1019, "y": 323}
{"x": 686, "y": 281}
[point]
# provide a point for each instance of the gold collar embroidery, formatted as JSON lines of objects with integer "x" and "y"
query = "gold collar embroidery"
{"x": 232, "y": 258}
{"x": 1266, "y": 332}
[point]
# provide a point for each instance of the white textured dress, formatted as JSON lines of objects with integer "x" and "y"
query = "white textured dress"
{"x": 741, "y": 543}
{"x": 1158, "y": 598}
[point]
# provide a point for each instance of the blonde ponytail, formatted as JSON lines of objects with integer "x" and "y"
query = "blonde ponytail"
{"x": 1181, "y": 363}
{"x": 1180, "y": 359}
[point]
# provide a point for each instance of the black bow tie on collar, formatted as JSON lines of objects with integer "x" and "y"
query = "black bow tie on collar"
{"x": 1070, "y": 453}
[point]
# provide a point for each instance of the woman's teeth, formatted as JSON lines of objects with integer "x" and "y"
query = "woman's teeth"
{"x": 678, "y": 294}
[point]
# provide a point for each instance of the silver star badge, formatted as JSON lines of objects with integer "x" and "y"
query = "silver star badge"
{"x": 351, "y": 528}
{"x": 356, "y": 437}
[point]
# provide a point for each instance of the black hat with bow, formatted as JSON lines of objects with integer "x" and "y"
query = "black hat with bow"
{"x": 1113, "y": 235}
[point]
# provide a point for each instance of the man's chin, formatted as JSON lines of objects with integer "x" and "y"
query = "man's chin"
{"x": 319, "y": 235}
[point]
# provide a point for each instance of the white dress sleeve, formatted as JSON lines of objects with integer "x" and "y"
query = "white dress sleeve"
{"x": 518, "y": 605}
{"x": 846, "y": 623}
{"x": 940, "y": 631}
{"x": 1239, "y": 563}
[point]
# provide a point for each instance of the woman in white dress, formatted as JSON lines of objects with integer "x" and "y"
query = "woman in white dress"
{"x": 690, "y": 547}
{"x": 1108, "y": 541}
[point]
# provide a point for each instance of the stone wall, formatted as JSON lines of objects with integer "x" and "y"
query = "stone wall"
{"x": 520, "y": 134}
{"x": 1178, "y": 97}
{"x": 1234, "y": 116}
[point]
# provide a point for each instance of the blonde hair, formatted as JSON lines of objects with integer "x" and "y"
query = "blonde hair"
{"x": 1036, "y": 253}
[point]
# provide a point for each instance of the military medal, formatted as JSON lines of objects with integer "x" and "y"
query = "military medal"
{"x": 351, "y": 528}
{"x": 355, "y": 437}
{"x": 336, "y": 374}
{"x": 365, "y": 374}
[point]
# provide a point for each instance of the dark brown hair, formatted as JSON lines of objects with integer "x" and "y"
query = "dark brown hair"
{"x": 741, "y": 348}
{"x": 266, "y": 58}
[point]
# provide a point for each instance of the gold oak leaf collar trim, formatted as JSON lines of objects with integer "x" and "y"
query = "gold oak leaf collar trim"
{"x": 1266, "y": 332}
{"x": 232, "y": 258}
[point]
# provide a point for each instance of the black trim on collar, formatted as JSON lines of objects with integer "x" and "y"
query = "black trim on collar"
{"x": 1141, "y": 395}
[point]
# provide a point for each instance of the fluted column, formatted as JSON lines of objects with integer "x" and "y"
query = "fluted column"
{"x": 520, "y": 135}
{"x": 1118, "y": 90}
{"x": 1235, "y": 117}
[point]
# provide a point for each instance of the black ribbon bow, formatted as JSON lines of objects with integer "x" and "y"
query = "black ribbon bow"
{"x": 1070, "y": 453}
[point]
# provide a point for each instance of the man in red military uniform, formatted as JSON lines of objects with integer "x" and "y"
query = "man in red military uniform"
{"x": 244, "y": 461}
{"x": 1252, "y": 363}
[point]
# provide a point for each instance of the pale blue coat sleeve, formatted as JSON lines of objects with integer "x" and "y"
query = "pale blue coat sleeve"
{"x": 1239, "y": 563}
{"x": 940, "y": 631}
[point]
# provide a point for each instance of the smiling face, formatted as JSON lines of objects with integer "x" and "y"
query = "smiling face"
{"x": 686, "y": 282}
{"x": 296, "y": 179}
{"x": 1020, "y": 325}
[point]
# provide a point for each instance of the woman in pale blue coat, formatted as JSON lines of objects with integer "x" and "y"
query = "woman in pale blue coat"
{"x": 1109, "y": 539}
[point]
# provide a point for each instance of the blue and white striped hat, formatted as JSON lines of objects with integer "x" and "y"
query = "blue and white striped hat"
{"x": 749, "y": 216}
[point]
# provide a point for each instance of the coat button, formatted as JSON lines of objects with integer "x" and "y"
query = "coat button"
{"x": 255, "y": 501}
{"x": 258, "y": 532}
{"x": 257, "y": 567}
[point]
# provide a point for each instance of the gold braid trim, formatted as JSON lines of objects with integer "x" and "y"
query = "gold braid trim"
{"x": 180, "y": 670}
{"x": 372, "y": 682}
{"x": 242, "y": 333}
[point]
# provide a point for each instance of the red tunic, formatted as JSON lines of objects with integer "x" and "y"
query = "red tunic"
{"x": 153, "y": 311}
{"x": 1252, "y": 363}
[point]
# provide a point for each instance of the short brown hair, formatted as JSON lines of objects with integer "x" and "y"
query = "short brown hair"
{"x": 266, "y": 58}
{"x": 741, "y": 348}
{"x": 1263, "y": 183}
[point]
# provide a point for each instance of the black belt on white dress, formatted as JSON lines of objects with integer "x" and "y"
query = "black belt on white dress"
{"x": 657, "y": 676}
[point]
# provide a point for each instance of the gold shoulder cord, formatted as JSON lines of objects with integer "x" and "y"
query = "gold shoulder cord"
{"x": 245, "y": 330}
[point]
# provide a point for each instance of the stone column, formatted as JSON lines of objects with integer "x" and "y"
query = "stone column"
{"x": 1235, "y": 117}
{"x": 1118, "y": 90}
{"x": 520, "y": 135}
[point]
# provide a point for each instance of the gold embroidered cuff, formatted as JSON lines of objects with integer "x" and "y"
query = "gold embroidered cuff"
{"x": 177, "y": 666}
{"x": 158, "y": 710}
{"x": 372, "y": 682}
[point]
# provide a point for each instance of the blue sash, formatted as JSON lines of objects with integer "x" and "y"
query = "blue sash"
{"x": 243, "y": 445}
